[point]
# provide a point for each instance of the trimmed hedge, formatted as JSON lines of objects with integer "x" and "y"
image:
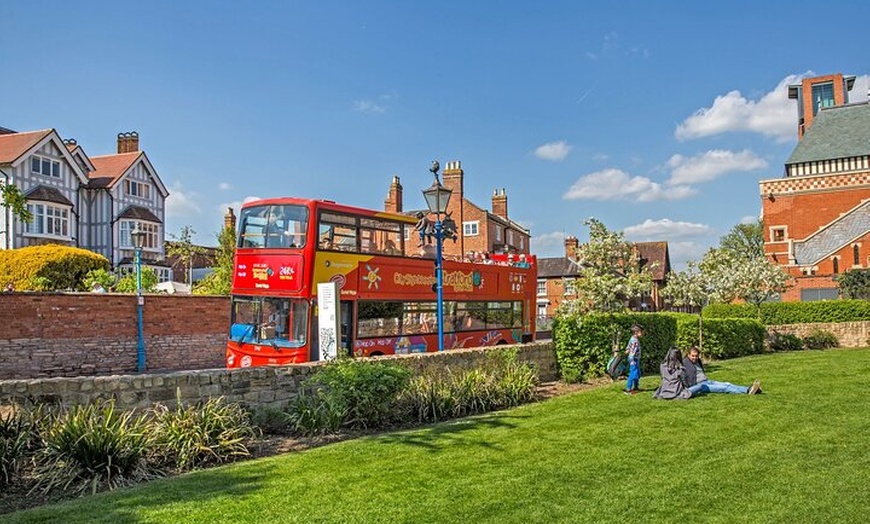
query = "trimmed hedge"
{"x": 778, "y": 313}
{"x": 49, "y": 267}
{"x": 584, "y": 344}
{"x": 732, "y": 337}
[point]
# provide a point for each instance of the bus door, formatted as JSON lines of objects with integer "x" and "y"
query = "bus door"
{"x": 345, "y": 309}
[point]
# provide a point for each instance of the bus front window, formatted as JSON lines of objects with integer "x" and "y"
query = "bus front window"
{"x": 278, "y": 322}
{"x": 273, "y": 227}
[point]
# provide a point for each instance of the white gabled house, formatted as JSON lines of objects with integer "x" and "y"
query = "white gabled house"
{"x": 88, "y": 202}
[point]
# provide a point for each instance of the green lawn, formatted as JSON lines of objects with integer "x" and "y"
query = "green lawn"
{"x": 798, "y": 453}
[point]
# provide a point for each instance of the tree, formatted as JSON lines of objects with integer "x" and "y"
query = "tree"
{"x": 746, "y": 241}
{"x": 220, "y": 281}
{"x": 686, "y": 288}
{"x": 11, "y": 198}
{"x": 127, "y": 282}
{"x": 184, "y": 248}
{"x": 855, "y": 284}
{"x": 610, "y": 271}
{"x": 728, "y": 276}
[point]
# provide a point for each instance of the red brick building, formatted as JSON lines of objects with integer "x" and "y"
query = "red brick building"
{"x": 817, "y": 217}
{"x": 479, "y": 229}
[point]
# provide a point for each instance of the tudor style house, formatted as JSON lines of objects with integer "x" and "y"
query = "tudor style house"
{"x": 92, "y": 202}
{"x": 817, "y": 217}
{"x": 478, "y": 229}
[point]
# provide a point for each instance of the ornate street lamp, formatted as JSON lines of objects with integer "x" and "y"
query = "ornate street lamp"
{"x": 437, "y": 197}
{"x": 138, "y": 237}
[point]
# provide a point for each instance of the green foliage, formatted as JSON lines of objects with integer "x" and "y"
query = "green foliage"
{"x": 127, "y": 282}
{"x": 12, "y": 199}
{"x": 785, "y": 342}
{"x": 820, "y": 339}
{"x": 439, "y": 393}
{"x": 349, "y": 393}
{"x": 48, "y": 267}
{"x": 610, "y": 272}
{"x": 16, "y": 437}
{"x": 733, "y": 337}
{"x": 855, "y": 284}
{"x": 219, "y": 282}
{"x": 584, "y": 343}
{"x": 688, "y": 329}
{"x": 90, "y": 447}
{"x": 183, "y": 247}
{"x": 778, "y": 313}
{"x": 746, "y": 241}
{"x": 730, "y": 311}
{"x": 209, "y": 432}
{"x": 270, "y": 420}
{"x": 100, "y": 276}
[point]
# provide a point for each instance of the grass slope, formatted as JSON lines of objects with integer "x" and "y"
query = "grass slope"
{"x": 797, "y": 453}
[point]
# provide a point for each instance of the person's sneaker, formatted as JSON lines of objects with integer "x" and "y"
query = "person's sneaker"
{"x": 754, "y": 388}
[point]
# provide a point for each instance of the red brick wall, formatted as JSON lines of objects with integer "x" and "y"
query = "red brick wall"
{"x": 60, "y": 334}
{"x": 805, "y": 213}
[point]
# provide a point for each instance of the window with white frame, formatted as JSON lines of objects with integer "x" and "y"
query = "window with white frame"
{"x": 470, "y": 229}
{"x": 45, "y": 166}
{"x": 497, "y": 234}
{"x": 510, "y": 237}
{"x": 542, "y": 287}
{"x": 49, "y": 220}
{"x": 151, "y": 230}
{"x": 570, "y": 286}
{"x": 137, "y": 189}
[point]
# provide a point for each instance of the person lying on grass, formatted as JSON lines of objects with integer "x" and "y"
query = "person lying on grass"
{"x": 696, "y": 379}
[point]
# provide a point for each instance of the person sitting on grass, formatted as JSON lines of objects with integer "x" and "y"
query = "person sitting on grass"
{"x": 673, "y": 385}
{"x": 698, "y": 383}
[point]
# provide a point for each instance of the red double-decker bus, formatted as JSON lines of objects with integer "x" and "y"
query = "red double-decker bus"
{"x": 384, "y": 280}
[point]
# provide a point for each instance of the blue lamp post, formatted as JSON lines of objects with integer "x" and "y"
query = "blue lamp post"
{"x": 138, "y": 237}
{"x": 437, "y": 197}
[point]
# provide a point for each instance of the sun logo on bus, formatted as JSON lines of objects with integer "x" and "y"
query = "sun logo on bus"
{"x": 373, "y": 278}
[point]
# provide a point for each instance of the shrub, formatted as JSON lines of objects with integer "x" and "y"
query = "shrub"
{"x": 820, "y": 339}
{"x": 49, "y": 267}
{"x": 733, "y": 337}
{"x": 90, "y": 447}
{"x": 270, "y": 420}
{"x": 210, "y": 432}
{"x": 730, "y": 311}
{"x": 16, "y": 436}
{"x": 785, "y": 342}
{"x": 354, "y": 394}
{"x": 777, "y": 313}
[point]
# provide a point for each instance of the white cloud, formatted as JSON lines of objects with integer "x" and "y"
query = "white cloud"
{"x": 683, "y": 251}
{"x": 181, "y": 203}
{"x": 224, "y": 186}
{"x": 749, "y": 219}
{"x": 600, "y": 157}
{"x": 665, "y": 229}
{"x": 548, "y": 244}
{"x": 236, "y": 205}
{"x": 554, "y": 151}
{"x": 710, "y": 165}
{"x": 773, "y": 115}
{"x": 615, "y": 184}
{"x": 368, "y": 106}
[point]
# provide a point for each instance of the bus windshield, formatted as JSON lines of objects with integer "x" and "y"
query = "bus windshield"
{"x": 278, "y": 322}
{"x": 273, "y": 227}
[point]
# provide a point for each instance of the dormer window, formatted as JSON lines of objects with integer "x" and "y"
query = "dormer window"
{"x": 44, "y": 166}
{"x": 137, "y": 189}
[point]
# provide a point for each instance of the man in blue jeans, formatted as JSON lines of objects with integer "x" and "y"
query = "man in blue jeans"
{"x": 696, "y": 379}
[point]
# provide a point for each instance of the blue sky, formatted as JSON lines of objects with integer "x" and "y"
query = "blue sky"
{"x": 658, "y": 118}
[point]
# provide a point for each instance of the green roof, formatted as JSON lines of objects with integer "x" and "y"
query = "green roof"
{"x": 836, "y": 132}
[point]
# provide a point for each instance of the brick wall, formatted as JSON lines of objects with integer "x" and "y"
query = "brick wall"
{"x": 253, "y": 387}
{"x": 72, "y": 334}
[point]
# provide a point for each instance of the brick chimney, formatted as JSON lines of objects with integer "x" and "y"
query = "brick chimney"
{"x": 451, "y": 178}
{"x": 499, "y": 203}
{"x": 571, "y": 244}
{"x": 393, "y": 203}
{"x": 230, "y": 219}
{"x": 128, "y": 142}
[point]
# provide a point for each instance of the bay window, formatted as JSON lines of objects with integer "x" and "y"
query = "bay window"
{"x": 49, "y": 220}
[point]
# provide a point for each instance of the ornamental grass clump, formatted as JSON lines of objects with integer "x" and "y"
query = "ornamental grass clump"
{"x": 17, "y": 437}
{"x": 89, "y": 448}
{"x": 206, "y": 433}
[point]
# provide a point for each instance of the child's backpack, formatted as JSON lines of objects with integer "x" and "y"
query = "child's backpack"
{"x": 616, "y": 366}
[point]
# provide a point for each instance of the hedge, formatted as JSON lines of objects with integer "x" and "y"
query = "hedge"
{"x": 48, "y": 267}
{"x": 778, "y": 313}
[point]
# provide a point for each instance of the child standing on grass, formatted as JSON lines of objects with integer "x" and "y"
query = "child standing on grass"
{"x": 633, "y": 352}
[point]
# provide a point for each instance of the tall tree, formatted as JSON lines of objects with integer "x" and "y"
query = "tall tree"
{"x": 855, "y": 284}
{"x": 746, "y": 241}
{"x": 184, "y": 248}
{"x": 220, "y": 281}
{"x": 610, "y": 271}
{"x": 12, "y": 199}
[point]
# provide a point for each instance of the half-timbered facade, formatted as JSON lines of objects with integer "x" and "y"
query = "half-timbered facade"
{"x": 83, "y": 201}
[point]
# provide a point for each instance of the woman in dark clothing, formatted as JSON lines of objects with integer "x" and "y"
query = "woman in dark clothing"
{"x": 672, "y": 385}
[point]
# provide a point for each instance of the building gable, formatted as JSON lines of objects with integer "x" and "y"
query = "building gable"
{"x": 16, "y": 148}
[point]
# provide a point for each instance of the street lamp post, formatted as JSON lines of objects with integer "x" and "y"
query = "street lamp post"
{"x": 138, "y": 237}
{"x": 437, "y": 197}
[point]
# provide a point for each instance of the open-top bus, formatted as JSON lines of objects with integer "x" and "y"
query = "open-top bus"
{"x": 384, "y": 280}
